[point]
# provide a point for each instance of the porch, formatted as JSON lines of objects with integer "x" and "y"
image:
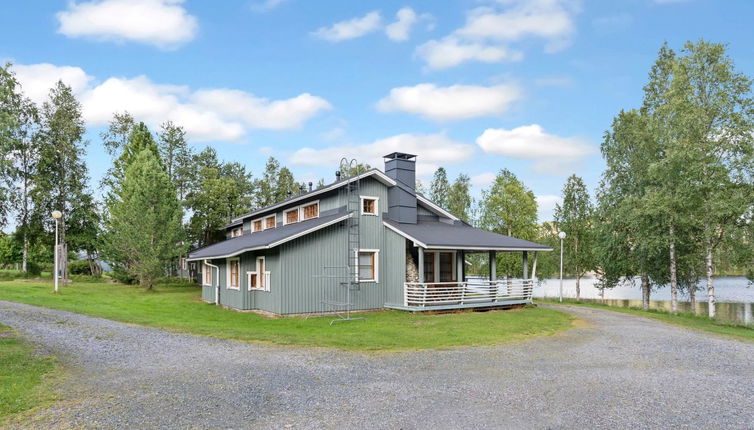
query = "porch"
{"x": 443, "y": 282}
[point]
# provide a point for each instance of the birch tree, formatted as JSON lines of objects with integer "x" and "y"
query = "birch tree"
{"x": 459, "y": 198}
{"x": 574, "y": 216}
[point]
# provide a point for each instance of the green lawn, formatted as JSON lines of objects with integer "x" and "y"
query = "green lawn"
{"x": 685, "y": 319}
{"x": 21, "y": 375}
{"x": 178, "y": 308}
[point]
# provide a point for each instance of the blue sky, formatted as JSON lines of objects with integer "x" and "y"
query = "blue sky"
{"x": 471, "y": 85}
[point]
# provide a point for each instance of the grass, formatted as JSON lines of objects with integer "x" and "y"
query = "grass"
{"x": 685, "y": 319}
{"x": 22, "y": 375}
{"x": 179, "y": 309}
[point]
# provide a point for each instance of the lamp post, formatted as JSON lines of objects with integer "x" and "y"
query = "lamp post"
{"x": 57, "y": 215}
{"x": 561, "y": 235}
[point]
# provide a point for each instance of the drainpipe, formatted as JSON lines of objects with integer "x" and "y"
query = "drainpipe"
{"x": 217, "y": 288}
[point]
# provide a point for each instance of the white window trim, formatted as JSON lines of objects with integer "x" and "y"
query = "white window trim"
{"x": 234, "y": 230}
{"x": 251, "y": 225}
{"x": 227, "y": 274}
{"x": 300, "y": 209}
{"x": 206, "y": 269}
{"x": 266, "y": 275}
{"x": 301, "y": 214}
{"x": 264, "y": 221}
{"x": 376, "y": 265}
{"x": 376, "y": 205}
{"x": 183, "y": 263}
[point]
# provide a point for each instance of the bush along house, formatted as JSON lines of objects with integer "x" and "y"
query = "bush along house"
{"x": 365, "y": 242}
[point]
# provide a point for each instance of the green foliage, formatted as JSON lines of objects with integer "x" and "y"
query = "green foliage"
{"x": 266, "y": 186}
{"x": 178, "y": 308}
{"x": 123, "y": 276}
{"x": 440, "y": 188}
{"x": 459, "y": 199}
{"x": 83, "y": 267}
{"x": 574, "y": 217}
{"x": 144, "y": 230}
{"x": 176, "y": 156}
{"x": 33, "y": 269}
{"x": 508, "y": 207}
{"x": 286, "y": 186}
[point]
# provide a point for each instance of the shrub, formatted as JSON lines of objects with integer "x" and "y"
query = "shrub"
{"x": 175, "y": 282}
{"x": 81, "y": 267}
{"x": 123, "y": 276}
{"x": 33, "y": 269}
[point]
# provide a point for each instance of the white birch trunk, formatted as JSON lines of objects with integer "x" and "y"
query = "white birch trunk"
{"x": 710, "y": 286}
{"x": 645, "y": 292}
{"x": 25, "y": 257}
{"x": 673, "y": 275}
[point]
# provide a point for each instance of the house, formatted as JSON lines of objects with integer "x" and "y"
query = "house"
{"x": 366, "y": 242}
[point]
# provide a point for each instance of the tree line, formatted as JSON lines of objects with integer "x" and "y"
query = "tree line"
{"x": 675, "y": 204}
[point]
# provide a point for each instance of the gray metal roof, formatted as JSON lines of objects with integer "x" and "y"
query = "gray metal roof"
{"x": 442, "y": 235}
{"x": 268, "y": 238}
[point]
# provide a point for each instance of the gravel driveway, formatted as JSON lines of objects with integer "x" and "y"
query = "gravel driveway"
{"x": 613, "y": 371}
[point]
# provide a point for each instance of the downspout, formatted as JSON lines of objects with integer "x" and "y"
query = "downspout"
{"x": 217, "y": 287}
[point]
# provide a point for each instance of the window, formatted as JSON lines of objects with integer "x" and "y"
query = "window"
{"x": 259, "y": 279}
{"x": 256, "y": 225}
{"x": 368, "y": 265}
{"x": 369, "y": 205}
{"x": 238, "y": 231}
{"x": 233, "y": 274}
{"x": 446, "y": 267}
{"x": 291, "y": 216}
{"x": 429, "y": 267}
{"x": 183, "y": 263}
{"x": 206, "y": 274}
{"x": 311, "y": 211}
{"x": 270, "y": 222}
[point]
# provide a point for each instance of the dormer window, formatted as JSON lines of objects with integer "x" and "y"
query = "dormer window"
{"x": 238, "y": 231}
{"x": 270, "y": 222}
{"x": 369, "y": 205}
{"x": 290, "y": 216}
{"x": 310, "y": 211}
{"x": 257, "y": 225}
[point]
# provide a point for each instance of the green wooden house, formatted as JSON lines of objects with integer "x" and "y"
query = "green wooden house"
{"x": 366, "y": 242}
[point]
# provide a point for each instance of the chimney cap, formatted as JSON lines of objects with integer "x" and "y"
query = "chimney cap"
{"x": 399, "y": 156}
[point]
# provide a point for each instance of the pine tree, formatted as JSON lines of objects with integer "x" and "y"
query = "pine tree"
{"x": 144, "y": 229}
{"x": 286, "y": 186}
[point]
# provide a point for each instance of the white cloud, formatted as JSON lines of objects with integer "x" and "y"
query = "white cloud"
{"x": 455, "y": 102}
{"x": 546, "y": 206}
{"x": 266, "y": 5}
{"x": 37, "y": 79}
{"x": 401, "y": 29}
{"x": 483, "y": 179}
{"x": 351, "y": 29}
{"x": 551, "y": 153}
{"x": 163, "y": 23}
{"x": 206, "y": 114}
{"x": 451, "y": 51}
{"x": 490, "y": 30}
{"x": 431, "y": 150}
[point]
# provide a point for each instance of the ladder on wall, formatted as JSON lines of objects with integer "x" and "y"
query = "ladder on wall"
{"x": 342, "y": 305}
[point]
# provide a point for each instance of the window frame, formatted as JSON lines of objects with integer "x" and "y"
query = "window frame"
{"x": 183, "y": 263}
{"x": 228, "y": 262}
{"x": 262, "y": 277}
{"x": 265, "y": 219}
{"x": 376, "y": 205}
{"x": 206, "y": 270}
{"x": 261, "y": 224}
{"x": 236, "y": 232}
{"x": 306, "y": 205}
{"x": 375, "y": 264}
{"x": 287, "y": 211}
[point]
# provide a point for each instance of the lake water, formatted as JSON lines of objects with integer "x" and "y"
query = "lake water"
{"x": 735, "y": 296}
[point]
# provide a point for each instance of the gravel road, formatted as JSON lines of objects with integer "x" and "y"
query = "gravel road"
{"x": 612, "y": 371}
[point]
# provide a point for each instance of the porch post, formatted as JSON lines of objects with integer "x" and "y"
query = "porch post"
{"x": 534, "y": 266}
{"x": 421, "y": 264}
{"x": 493, "y": 266}
{"x": 526, "y": 264}
{"x": 461, "y": 266}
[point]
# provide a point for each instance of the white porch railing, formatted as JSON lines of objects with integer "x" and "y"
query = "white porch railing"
{"x": 471, "y": 293}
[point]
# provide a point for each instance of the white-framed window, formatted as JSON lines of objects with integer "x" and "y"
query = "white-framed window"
{"x": 259, "y": 279}
{"x": 257, "y": 225}
{"x": 238, "y": 231}
{"x": 310, "y": 210}
{"x": 206, "y": 274}
{"x": 290, "y": 216}
{"x": 233, "y": 272}
{"x": 183, "y": 263}
{"x": 369, "y": 265}
{"x": 270, "y": 221}
{"x": 370, "y": 205}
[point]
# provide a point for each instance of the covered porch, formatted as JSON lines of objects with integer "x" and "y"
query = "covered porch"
{"x": 443, "y": 282}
